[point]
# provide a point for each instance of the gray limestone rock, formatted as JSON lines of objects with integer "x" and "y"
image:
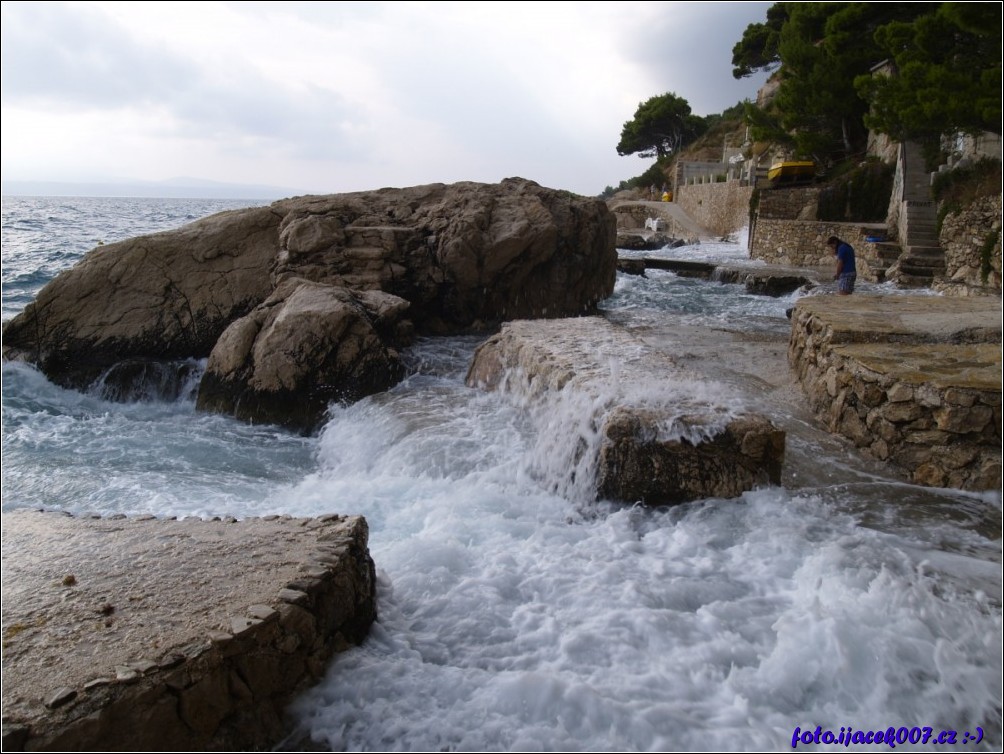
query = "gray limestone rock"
{"x": 463, "y": 257}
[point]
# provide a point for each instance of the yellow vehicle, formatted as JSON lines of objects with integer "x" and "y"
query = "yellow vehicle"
{"x": 791, "y": 172}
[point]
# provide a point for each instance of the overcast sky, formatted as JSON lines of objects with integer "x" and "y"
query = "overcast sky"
{"x": 330, "y": 97}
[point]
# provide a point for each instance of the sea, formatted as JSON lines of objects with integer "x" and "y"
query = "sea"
{"x": 516, "y": 611}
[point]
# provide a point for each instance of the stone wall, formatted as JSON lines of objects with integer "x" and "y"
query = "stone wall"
{"x": 963, "y": 236}
{"x": 802, "y": 243}
{"x": 801, "y": 203}
{"x": 633, "y": 216}
{"x": 164, "y": 635}
{"x": 910, "y": 380}
{"x": 722, "y": 208}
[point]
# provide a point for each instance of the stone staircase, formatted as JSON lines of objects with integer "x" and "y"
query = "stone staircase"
{"x": 922, "y": 258}
{"x": 887, "y": 253}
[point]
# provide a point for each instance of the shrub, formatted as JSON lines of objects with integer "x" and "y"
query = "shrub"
{"x": 955, "y": 189}
{"x": 858, "y": 195}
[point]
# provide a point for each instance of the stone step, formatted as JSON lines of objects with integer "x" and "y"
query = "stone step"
{"x": 913, "y": 281}
{"x": 888, "y": 251}
{"x": 653, "y": 435}
{"x": 393, "y": 229}
{"x": 921, "y": 250}
{"x": 921, "y": 270}
{"x": 366, "y": 253}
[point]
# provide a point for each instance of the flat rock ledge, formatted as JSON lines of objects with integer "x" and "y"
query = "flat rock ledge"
{"x": 914, "y": 380}
{"x": 657, "y": 432}
{"x": 762, "y": 281}
{"x": 183, "y": 635}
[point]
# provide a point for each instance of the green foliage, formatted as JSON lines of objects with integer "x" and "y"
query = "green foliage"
{"x": 948, "y": 74}
{"x": 758, "y": 49}
{"x": 654, "y": 176}
{"x": 823, "y": 48}
{"x": 765, "y": 125}
{"x": 660, "y": 127}
{"x": 955, "y": 189}
{"x": 858, "y": 195}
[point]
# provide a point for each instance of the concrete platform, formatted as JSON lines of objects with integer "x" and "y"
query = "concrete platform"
{"x": 154, "y": 634}
{"x": 766, "y": 281}
{"x": 905, "y": 319}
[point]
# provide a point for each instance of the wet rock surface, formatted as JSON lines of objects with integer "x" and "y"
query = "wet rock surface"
{"x": 309, "y": 345}
{"x": 152, "y": 634}
{"x": 763, "y": 281}
{"x": 664, "y": 438}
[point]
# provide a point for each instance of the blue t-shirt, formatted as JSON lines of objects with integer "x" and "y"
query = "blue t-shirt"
{"x": 845, "y": 253}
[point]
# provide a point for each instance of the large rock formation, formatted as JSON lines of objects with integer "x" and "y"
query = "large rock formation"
{"x": 306, "y": 346}
{"x": 462, "y": 257}
{"x": 163, "y": 296}
{"x": 636, "y": 425}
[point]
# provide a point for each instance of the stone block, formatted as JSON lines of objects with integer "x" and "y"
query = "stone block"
{"x": 635, "y": 465}
{"x": 963, "y": 419}
{"x": 210, "y": 690}
{"x": 939, "y": 364}
{"x": 659, "y": 445}
{"x": 899, "y": 393}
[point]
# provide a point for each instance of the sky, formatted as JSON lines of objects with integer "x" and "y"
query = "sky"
{"x": 331, "y": 97}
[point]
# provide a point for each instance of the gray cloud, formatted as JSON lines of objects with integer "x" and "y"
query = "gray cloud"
{"x": 66, "y": 58}
{"x": 689, "y": 48}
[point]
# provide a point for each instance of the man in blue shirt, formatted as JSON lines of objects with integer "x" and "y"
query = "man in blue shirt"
{"x": 847, "y": 272}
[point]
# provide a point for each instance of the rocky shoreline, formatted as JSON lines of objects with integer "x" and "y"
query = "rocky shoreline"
{"x": 307, "y": 301}
{"x": 195, "y": 634}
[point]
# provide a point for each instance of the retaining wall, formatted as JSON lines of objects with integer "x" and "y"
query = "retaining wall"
{"x": 722, "y": 208}
{"x": 802, "y": 243}
{"x": 908, "y": 379}
{"x": 963, "y": 236}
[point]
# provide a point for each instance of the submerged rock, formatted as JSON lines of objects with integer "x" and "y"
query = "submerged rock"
{"x": 463, "y": 257}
